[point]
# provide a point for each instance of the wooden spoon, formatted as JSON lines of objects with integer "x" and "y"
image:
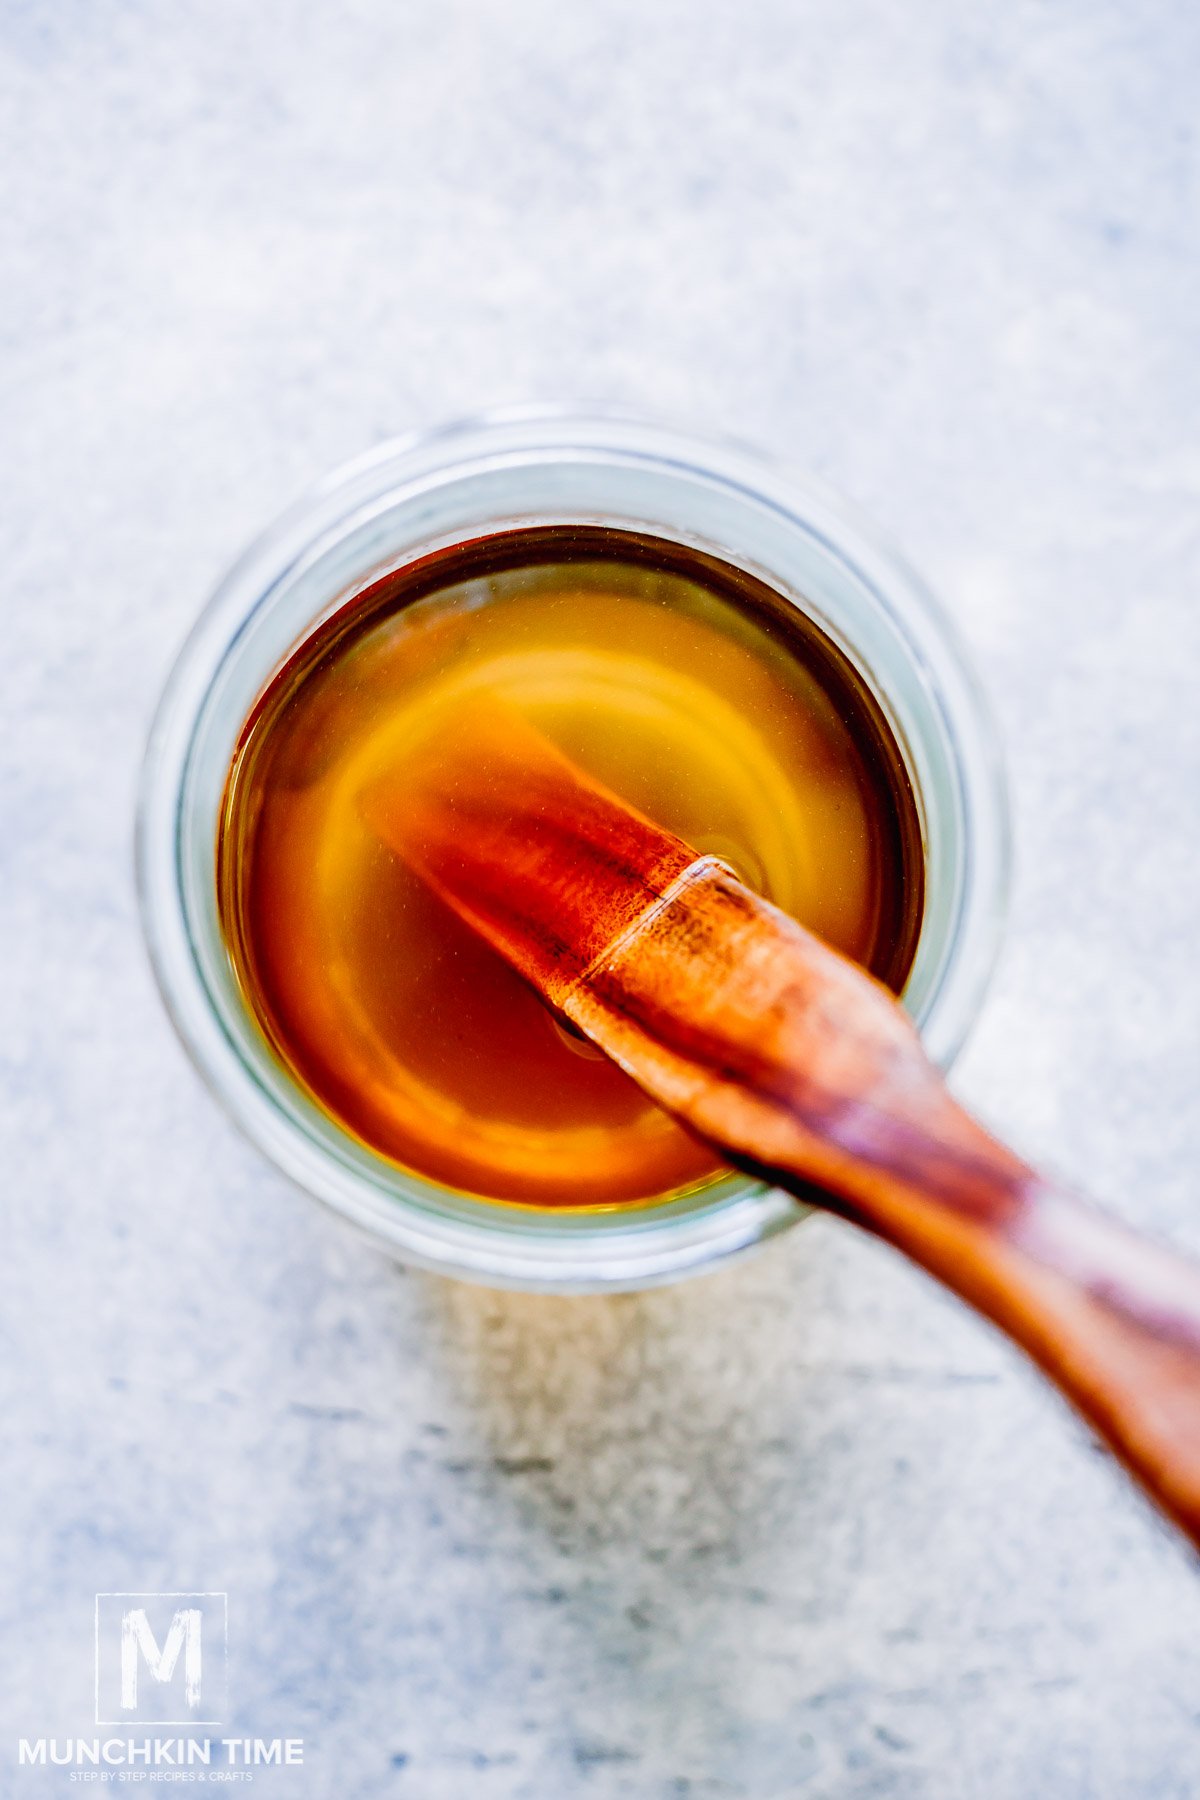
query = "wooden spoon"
{"x": 795, "y": 1065}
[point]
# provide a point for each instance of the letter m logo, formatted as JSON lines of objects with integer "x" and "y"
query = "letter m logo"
{"x": 160, "y": 1658}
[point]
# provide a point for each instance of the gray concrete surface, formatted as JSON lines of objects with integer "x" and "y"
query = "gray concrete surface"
{"x": 803, "y": 1528}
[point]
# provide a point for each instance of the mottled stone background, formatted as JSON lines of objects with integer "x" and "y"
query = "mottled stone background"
{"x": 803, "y": 1528}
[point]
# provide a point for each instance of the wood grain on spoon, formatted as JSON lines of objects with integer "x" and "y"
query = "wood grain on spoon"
{"x": 796, "y": 1065}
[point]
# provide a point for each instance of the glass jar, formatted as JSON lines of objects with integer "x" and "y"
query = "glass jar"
{"x": 537, "y": 467}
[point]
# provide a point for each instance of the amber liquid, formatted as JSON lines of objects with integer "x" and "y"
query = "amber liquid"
{"x": 693, "y": 691}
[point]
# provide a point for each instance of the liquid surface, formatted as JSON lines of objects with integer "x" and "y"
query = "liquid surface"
{"x": 688, "y": 688}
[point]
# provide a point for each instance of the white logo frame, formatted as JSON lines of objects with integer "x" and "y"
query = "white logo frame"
{"x": 132, "y": 1717}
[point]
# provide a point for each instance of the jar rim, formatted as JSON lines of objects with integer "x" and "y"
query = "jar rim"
{"x": 340, "y": 527}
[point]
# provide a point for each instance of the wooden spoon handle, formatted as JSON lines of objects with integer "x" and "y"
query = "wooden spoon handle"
{"x": 1112, "y": 1318}
{"x": 802, "y": 1068}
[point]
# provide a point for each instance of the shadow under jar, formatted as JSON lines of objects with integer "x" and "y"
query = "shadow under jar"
{"x": 709, "y": 637}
